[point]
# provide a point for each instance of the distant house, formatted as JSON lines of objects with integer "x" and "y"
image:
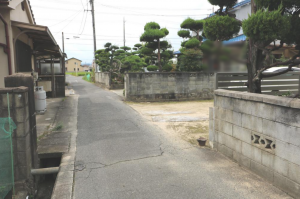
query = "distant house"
{"x": 26, "y": 47}
{"x": 73, "y": 65}
{"x": 87, "y": 68}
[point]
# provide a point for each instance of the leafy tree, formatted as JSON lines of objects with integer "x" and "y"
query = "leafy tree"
{"x": 102, "y": 58}
{"x": 191, "y": 54}
{"x": 270, "y": 21}
{"x": 153, "y": 35}
{"x": 111, "y": 49}
{"x": 133, "y": 63}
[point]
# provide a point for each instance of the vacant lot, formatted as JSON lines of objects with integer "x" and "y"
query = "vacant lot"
{"x": 188, "y": 120}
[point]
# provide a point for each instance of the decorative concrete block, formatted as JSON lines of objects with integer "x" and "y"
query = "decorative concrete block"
{"x": 252, "y": 123}
{"x": 242, "y": 134}
{"x": 262, "y": 171}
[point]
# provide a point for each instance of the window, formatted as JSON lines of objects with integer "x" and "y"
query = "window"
{"x": 77, "y": 69}
{"x": 74, "y": 69}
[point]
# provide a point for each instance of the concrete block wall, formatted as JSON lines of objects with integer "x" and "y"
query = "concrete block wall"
{"x": 19, "y": 110}
{"x": 169, "y": 86}
{"x": 261, "y": 133}
{"x": 103, "y": 79}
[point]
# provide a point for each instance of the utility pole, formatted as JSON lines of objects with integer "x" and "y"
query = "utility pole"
{"x": 94, "y": 29}
{"x": 63, "y": 42}
{"x": 124, "y": 32}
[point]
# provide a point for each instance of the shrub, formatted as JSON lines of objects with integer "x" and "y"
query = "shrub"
{"x": 167, "y": 68}
{"x": 152, "y": 68}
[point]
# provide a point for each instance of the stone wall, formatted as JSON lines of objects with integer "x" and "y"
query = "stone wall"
{"x": 22, "y": 148}
{"x": 261, "y": 133}
{"x": 169, "y": 86}
{"x": 103, "y": 79}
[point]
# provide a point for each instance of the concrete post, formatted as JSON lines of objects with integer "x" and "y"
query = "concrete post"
{"x": 18, "y": 80}
{"x": 21, "y": 138}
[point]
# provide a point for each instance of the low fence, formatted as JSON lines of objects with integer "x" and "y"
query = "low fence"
{"x": 259, "y": 132}
{"x": 105, "y": 81}
{"x": 15, "y": 108}
{"x": 169, "y": 86}
{"x": 280, "y": 85}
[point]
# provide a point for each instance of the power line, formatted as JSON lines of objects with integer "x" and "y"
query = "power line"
{"x": 64, "y": 19}
{"x": 69, "y": 22}
{"x": 141, "y": 14}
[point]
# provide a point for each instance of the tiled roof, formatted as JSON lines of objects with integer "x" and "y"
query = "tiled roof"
{"x": 235, "y": 39}
{"x": 240, "y": 4}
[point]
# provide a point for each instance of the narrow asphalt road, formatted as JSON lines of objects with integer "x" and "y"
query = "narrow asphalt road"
{"x": 121, "y": 155}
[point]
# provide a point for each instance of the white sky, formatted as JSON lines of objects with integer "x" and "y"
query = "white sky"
{"x": 68, "y": 16}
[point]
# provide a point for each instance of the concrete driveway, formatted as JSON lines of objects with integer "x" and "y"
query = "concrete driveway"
{"x": 121, "y": 155}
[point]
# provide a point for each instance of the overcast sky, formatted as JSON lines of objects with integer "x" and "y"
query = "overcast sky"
{"x": 70, "y": 17}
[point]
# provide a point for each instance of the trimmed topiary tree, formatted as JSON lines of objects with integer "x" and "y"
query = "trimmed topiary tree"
{"x": 153, "y": 35}
{"x": 152, "y": 68}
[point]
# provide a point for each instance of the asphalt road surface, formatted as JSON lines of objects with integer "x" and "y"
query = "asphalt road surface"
{"x": 121, "y": 155}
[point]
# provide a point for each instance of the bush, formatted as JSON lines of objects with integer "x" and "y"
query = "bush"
{"x": 192, "y": 43}
{"x": 152, "y": 68}
{"x": 167, "y": 68}
{"x": 221, "y": 28}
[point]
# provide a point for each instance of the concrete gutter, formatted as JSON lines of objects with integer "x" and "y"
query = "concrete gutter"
{"x": 63, "y": 187}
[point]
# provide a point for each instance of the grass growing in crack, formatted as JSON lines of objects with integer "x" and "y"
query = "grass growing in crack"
{"x": 58, "y": 127}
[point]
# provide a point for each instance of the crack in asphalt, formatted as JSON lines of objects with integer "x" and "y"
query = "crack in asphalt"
{"x": 115, "y": 163}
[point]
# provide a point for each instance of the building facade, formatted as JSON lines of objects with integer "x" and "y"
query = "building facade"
{"x": 29, "y": 48}
{"x": 73, "y": 65}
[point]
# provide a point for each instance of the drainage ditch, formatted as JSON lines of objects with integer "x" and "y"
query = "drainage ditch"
{"x": 46, "y": 175}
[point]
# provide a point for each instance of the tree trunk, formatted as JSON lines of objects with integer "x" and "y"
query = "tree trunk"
{"x": 254, "y": 58}
{"x": 255, "y": 63}
{"x": 158, "y": 57}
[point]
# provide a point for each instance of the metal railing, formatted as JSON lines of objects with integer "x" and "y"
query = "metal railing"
{"x": 285, "y": 84}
